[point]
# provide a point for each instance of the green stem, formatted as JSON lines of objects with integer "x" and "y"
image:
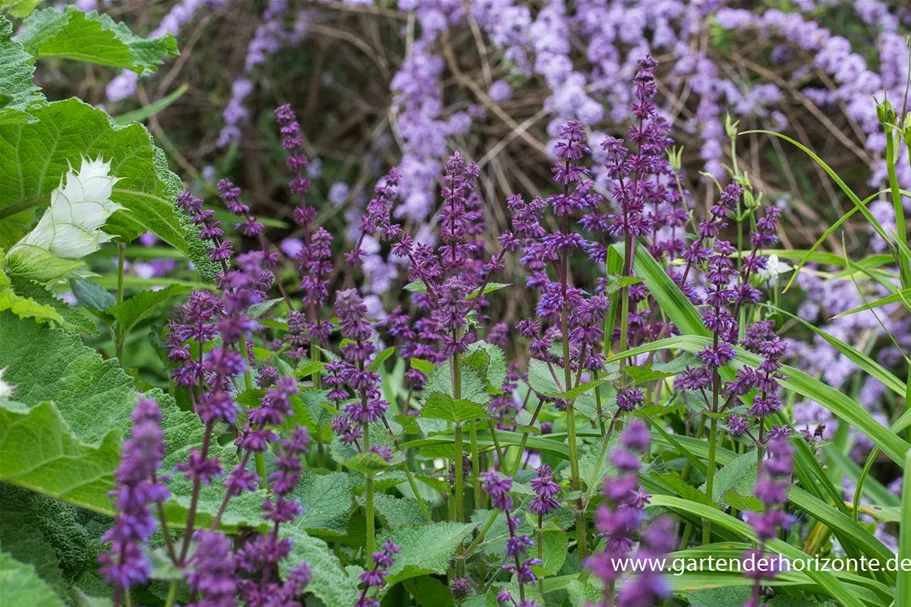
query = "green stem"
{"x": 475, "y": 463}
{"x": 581, "y": 533}
{"x": 259, "y": 458}
{"x": 900, "y": 229}
{"x": 369, "y": 511}
{"x": 710, "y": 476}
{"x": 459, "y": 473}
{"x": 119, "y": 335}
{"x": 317, "y": 380}
{"x": 172, "y": 593}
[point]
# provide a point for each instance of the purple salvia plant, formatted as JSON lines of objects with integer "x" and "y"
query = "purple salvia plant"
{"x": 772, "y": 490}
{"x": 517, "y": 545}
{"x": 137, "y": 491}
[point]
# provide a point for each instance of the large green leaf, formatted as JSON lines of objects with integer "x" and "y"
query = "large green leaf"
{"x": 326, "y": 499}
{"x": 17, "y": 68}
{"x": 33, "y": 158}
{"x": 330, "y": 584}
{"x": 425, "y": 549}
{"x": 62, "y": 436}
{"x": 25, "y": 307}
{"x": 93, "y": 38}
{"x": 20, "y": 585}
{"x": 442, "y": 406}
{"x": 129, "y": 312}
{"x": 40, "y": 453}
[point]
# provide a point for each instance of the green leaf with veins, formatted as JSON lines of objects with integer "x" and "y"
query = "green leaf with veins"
{"x": 129, "y": 312}
{"x": 442, "y": 406}
{"x": 326, "y": 500}
{"x": 33, "y": 157}
{"x": 426, "y": 549}
{"x": 93, "y": 38}
{"x": 23, "y": 306}
{"x": 330, "y": 584}
{"x": 17, "y": 72}
{"x": 22, "y": 586}
{"x": 62, "y": 435}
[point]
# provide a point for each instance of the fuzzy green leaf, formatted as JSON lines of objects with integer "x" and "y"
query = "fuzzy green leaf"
{"x": 33, "y": 157}
{"x": 21, "y": 585}
{"x": 397, "y": 511}
{"x": 17, "y": 69}
{"x": 326, "y": 499}
{"x": 425, "y": 549}
{"x": 442, "y": 406}
{"x": 93, "y": 38}
{"x": 330, "y": 584}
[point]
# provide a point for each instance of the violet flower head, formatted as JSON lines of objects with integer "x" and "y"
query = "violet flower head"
{"x": 136, "y": 490}
{"x": 545, "y": 490}
{"x": 212, "y": 575}
{"x": 376, "y": 577}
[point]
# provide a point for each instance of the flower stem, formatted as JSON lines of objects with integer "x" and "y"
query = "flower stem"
{"x": 710, "y": 476}
{"x": 581, "y": 534}
{"x": 119, "y": 335}
{"x": 475, "y": 463}
{"x": 459, "y": 473}
{"x": 368, "y": 494}
{"x": 172, "y": 593}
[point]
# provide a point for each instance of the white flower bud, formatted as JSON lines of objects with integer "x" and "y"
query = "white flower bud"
{"x": 80, "y": 205}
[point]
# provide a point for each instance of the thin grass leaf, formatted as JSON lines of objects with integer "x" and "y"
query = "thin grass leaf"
{"x": 867, "y": 364}
{"x": 841, "y": 405}
{"x": 826, "y": 582}
{"x": 858, "y": 204}
{"x": 903, "y": 588}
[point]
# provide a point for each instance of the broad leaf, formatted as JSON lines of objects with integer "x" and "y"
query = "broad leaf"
{"x": 326, "y": 499}
{"x": 22, "y": 586}
{"x": 93, "y": 38}
{"x": 442, "y": 406}
{"x": 33, "y": 157}
{"x": 17, "y": 70}
{"x": 131, "y": 311}
{"x": 25, "y": 307}
{"x": 330, "y": 583}
{"x": 425, "y": 549}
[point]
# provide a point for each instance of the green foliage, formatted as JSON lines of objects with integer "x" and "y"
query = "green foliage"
{"x": 425, "y": 549}
{"x": 17, "y": 68}
{"x": 131, "y": 311}
{"x": 326, "y": 500}
{"x": 93, "y": 38}
{"x": 25, "y": 307}
{"x": 22, "y": 586}
{"x": 330, "y": 584}
{"x": 33, "y": 158}
{"x": 442, "y": 406}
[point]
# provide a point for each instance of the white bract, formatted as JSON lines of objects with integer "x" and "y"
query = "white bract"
{"x": 774, "y": 268}
{"x": 6, "y": 390}
{"x": 80, "y": 205}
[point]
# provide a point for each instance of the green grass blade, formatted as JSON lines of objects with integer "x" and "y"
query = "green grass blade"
{"x": 840, "y": 404}
{"x": 826, "y": 582}
{"x": 867, "y": 364}
{"x": 858, "y": 203}
{"x": 899, "y": 296}
{"x": 903, "y": 589}
{"x": 146, "y": 111}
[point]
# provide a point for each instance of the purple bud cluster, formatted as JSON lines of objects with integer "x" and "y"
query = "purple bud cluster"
{"x": 376, "y": 577}
{"x": 137, "y": 490}
{"x": 619, "y": 521}
{"x": 517, "y": 545}
{"x": 772, "y": 490}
